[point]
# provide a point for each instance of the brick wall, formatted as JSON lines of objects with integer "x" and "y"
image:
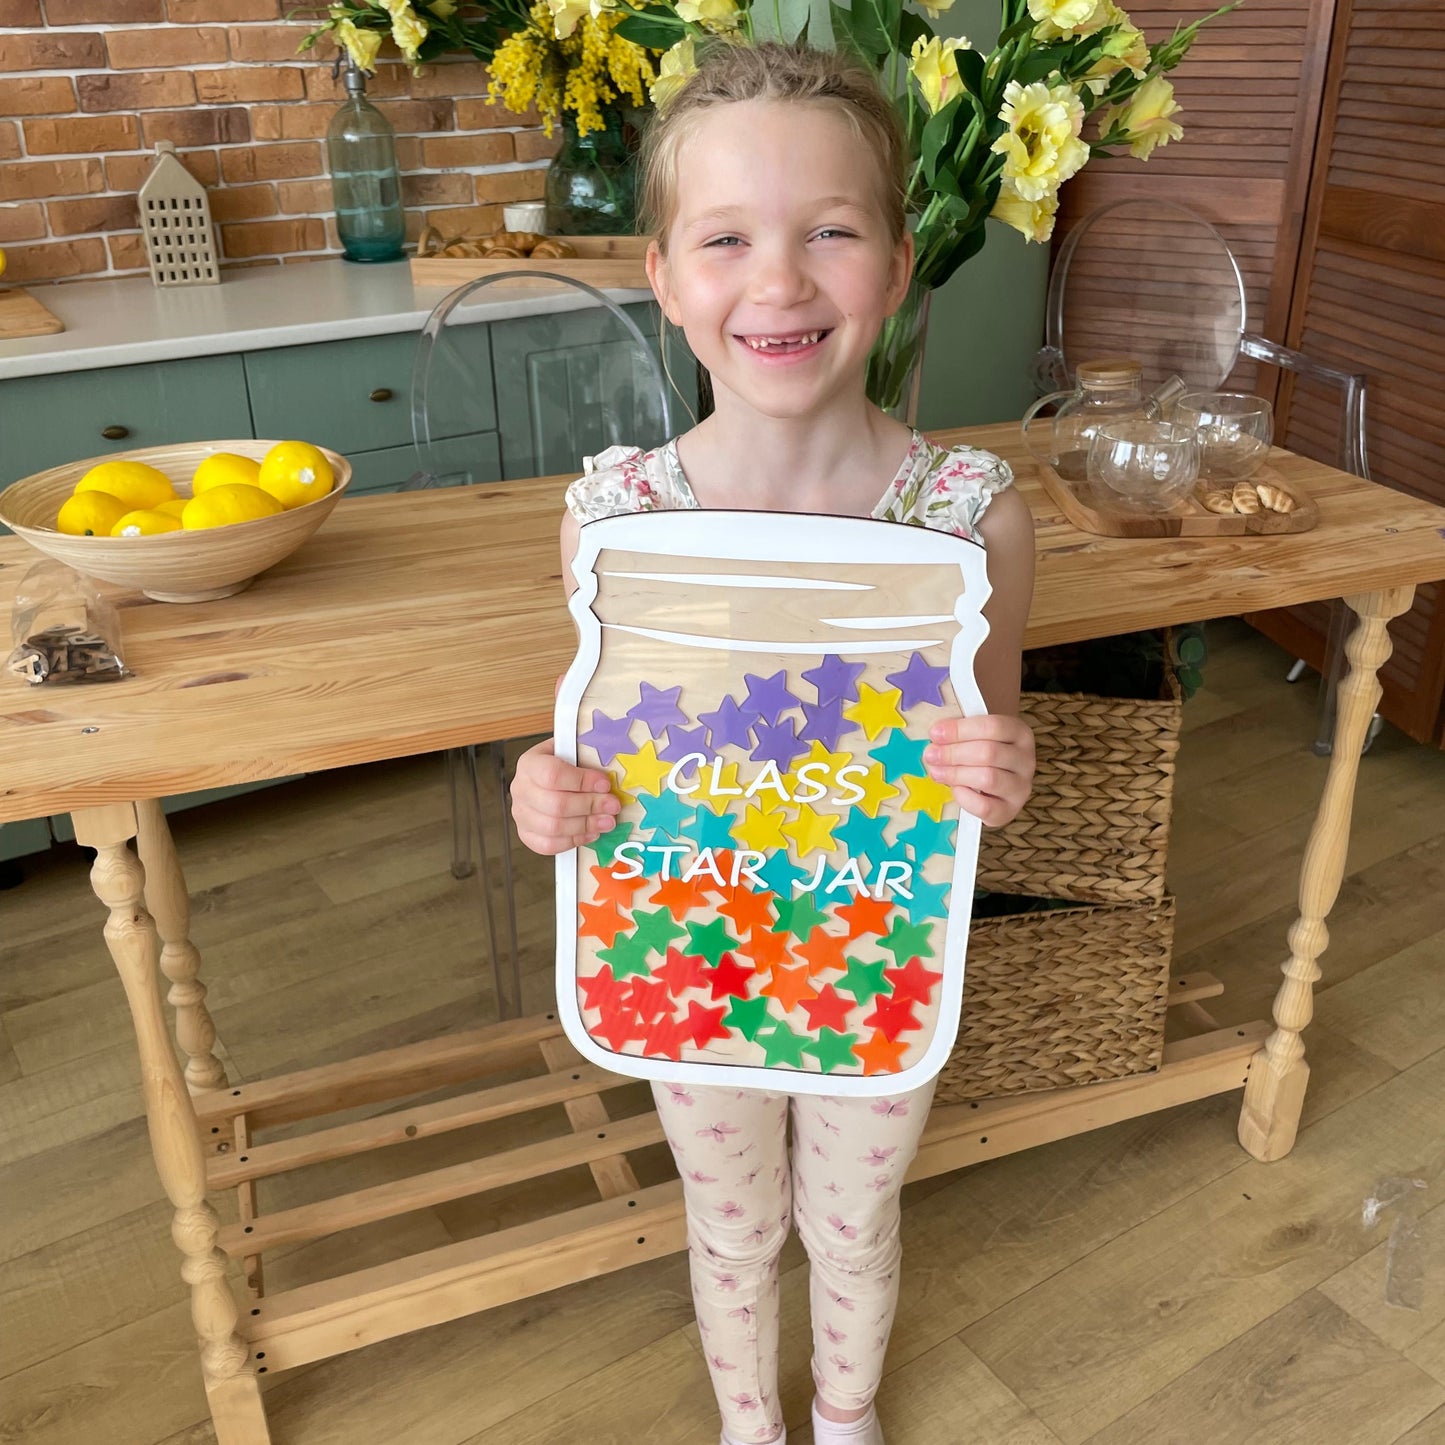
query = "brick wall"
{"x": 87, "y": 87}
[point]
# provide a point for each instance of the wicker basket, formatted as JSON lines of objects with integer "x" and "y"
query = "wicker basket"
{"x": 1061, "y": 997}
{"x": 1096, "y": 829}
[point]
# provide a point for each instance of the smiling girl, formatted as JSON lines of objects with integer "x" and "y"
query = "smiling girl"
{"x": 773, "y": 182}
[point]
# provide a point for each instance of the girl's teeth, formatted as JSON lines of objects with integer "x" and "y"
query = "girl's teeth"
{"x": 761, "y": 343}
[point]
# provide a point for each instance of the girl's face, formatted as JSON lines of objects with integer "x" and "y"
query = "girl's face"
{"x": 779, "y": 266}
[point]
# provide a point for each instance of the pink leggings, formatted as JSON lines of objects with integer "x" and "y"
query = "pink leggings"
{"x": 848, "y": 1163}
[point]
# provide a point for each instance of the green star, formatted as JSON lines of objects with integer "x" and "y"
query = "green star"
{"x": 711, "y": 940}
{"x": 747, "y": 1016}
{"x": 782, "y": 1046}
{"x": 627, "y": 956}
{"x": 799, "y": 916}
{"x": 655, "y": 931}
{"x": 908, "y": 940}
{"x": 607, "y": 845}
{"x": 862, "y": 980}
{"x": 832, "y": 1049}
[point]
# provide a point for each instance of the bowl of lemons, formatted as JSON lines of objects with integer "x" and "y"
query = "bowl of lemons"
{"x": 184, "y": 523}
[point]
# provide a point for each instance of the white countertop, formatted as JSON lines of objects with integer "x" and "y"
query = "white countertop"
{"x": 124, "y": 321}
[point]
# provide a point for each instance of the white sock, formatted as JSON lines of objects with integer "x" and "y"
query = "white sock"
{"x": 864, "y": 1431}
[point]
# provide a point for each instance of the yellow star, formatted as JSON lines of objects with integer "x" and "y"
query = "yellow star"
{"x": 812, "y": 831}
{"x": 727, "y": 777}
{"x": 876, "y": 790}
{"x": 925, "y": 795}
{"x": 875, "y": 710}
{"x": 824, "y": 777}
{"x": 643, "y": 771}
{"x": 761, "y": 829}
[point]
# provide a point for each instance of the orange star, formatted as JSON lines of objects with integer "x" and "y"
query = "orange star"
{"x": 611, "y": 889}
{"x": 790, "y": 987}
{"x": 866, "y": 915}
{"x": 766, "y": 948}
{"x": 879, "y": 1054}
{"x": 678, "y": 897}
{"x": 748, "y": 910}
{"x": 823, "y": 950}
{"x": 601, "y": 920}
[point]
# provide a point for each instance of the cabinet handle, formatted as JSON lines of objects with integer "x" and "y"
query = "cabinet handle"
{"x": 382, "y": 393}
{"x": 114, "y": 433}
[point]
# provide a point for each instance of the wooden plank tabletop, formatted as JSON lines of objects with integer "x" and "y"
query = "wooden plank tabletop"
{"x": 425, "y": 620}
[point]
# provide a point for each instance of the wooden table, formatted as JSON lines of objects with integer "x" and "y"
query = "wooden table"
{"x": 426, "y": 621}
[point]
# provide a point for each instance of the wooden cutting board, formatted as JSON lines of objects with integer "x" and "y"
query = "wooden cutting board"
{"x": 22, "y": 315}
{"x": 602, "y": 261}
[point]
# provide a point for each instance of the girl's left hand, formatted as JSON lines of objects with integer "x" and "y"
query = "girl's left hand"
{"x": 988, "y": 761}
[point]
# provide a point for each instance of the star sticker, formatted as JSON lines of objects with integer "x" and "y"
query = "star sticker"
{"x": 606, "y": 845}
{"x": 729, "y": 725}
{"x": 908, "y": 940}
{"x": 778, "y": 743}
{"x": 832, "y": 1049}
{"x": 705, "y": 1024}
{"x": 768, "y": 697}
{"x": 822, "y": 950}
{"x": 677, "y": 897}
{"x": 866, "y": 915}
{"x": 876, "y": 789}
{"x": 712, "y": 940}
{"x": 608, "y": 888}
{"x": 913, "y": 981}
{"x": 599, "y": 989}
{"x": 747, "y": 1016}
{"x": 881, "y": 1055}
{"x": 893, "y": 1016}
{"x": 656, "y": 930}
{"x": 900, "y": 754}
{"x": 862, "y": 836}
{"x": 875, "y": 710}
{"x": 798, "y": 916}
{"x": 664, "y": 813}
{"x": 709, "y": 829}
{"x": 818, "y": 753}
{"x": 863, "y": 980}
{"x": 834, "y": 678}
{"x": 779, "y": 872}
{"x": 603, "y": 921}
{"x": 829, "y": 1010}
{"x": 928, "y": 836}
{"x": 643, "y": 771}
{"x": 748, "y": 910}
{"x": 657, "y": 710}
{"x": 812, "y": 831}
{"x": 681, "y": 972}
{"x": 930, "y": 900}
{"x": 918, "y": 682}
{"x": 649, "y": 997}
{"x": 789, "y": 986}
{"x": 615, "y": 1030}
{"x": 724, "y": 786}
{"x": 682, "y": 741}
{"x": 823, "y": 722}
{"x": 766, "y": 948}
{"x": 666, "y": 1036}
{"x": 782, "y": 1046}
{"x": 761, "y": 831}
{"x": 627, "y": 956}
{"x": 925, "y": 795}
{"x": 729, "y": 976}
{"x": 608, "y": 736}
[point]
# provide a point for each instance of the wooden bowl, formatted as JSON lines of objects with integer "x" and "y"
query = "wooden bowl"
{"x": 172, "y": 566}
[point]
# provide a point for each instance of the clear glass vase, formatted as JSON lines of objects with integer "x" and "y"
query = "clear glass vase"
{"x": 895, "y": 365}
{"x": 365, "y": 183}
{"x": 591, "y": 183}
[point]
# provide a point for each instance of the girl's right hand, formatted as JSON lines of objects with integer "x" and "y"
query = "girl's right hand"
{"x": 557, "y": 805}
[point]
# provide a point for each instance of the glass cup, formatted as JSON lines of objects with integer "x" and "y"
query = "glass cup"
{"x": 1145, "y": 466}
{"x": 1234, "y": 430}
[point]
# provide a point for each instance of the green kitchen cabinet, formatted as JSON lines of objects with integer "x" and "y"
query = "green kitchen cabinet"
{"x": 456, "y": 461}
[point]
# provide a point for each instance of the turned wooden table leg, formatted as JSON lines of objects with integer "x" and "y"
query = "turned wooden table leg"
{"x": 169, "y": 903}
{"x": 1274, "y": 1093}
{"x": 119, "y": 882}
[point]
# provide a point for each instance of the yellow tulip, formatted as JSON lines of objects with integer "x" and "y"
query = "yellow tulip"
{"x": 1058, "y": 19}
{"x": 673, "y": 72}
{"x": 1145, "y": 117}
{"x": 408, "y": 29}
{"x": 1041, "y": 148}
{"x": 936, "y": 8}
{"x": 1034, "y": 219}
{"x": 1125, "y": 49}
{"x": 360, "y": 45}
{"x": 934, "y": 65}
{"x": 714, "y": 15}
{"x": 566, "y": 14}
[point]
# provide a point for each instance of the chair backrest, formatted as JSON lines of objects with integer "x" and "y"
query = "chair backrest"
{"x": 569, "y": 380}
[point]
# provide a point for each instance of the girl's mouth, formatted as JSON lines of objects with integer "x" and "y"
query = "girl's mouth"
{"x": 789, "y": 344}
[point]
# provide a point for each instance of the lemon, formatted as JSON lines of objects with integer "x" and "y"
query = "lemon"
{"x": 225, "y": 469}
{"x": 223, "y": 505}
{"x": 136, "y": 484}
{"x": 295, "y": 473}
{"x": 173, "y": 508}
{"x": 90, "y": 514}
{"x": 145, "y": 524}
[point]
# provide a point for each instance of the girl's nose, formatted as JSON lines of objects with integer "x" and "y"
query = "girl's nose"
{"x": 779, "y": 277}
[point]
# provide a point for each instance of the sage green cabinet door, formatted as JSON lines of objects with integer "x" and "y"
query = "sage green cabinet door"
{"x": 48, "y": 420}
{"x": 458, "y": 461}
{"x": 17, "y": 839}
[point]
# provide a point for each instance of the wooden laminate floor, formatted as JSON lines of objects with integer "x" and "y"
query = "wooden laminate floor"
{"x": 1146, "y": 1284}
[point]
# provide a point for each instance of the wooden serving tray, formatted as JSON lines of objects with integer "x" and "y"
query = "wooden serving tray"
{"x": 602, "y": 261}
{"x": 22, "y": 315}
{"x": 1091, "y": 509}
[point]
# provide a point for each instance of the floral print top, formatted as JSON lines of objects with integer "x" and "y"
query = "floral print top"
{"x": 947, "y": 489}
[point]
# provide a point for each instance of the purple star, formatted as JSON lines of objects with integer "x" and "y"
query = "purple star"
{"x": 681, "y": 742}
{"x": 768, "y": 697}
{"x": 779, "y": 743}
{"x": 835, "y": 679}
{"x": 729, "y": 724}
{"x": 657, "y": 709}
{"x": 919, "y": 682}
{"x": 824, "y": 722}
{"x": 609, "y": 735}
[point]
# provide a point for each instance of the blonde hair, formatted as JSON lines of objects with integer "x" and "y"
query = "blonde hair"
{"x": 729, "y": 72}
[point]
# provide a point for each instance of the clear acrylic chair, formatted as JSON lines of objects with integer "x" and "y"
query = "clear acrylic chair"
{"x": 583, "y": 383}
{"x": 1156, "y": 281}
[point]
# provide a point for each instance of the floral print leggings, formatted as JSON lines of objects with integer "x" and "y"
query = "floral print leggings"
{"x": 848, "y": 1162}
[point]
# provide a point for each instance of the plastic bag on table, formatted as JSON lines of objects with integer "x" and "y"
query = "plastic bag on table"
{"x": 63, "y": 630}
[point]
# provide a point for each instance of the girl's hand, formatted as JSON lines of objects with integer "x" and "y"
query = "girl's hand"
{"x": 988, "y": 761}
{"x": 557, "y": 805}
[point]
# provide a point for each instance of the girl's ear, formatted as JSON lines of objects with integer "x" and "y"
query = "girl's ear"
{"x": 661, "y": 281}
{"x": 900, "y": 272}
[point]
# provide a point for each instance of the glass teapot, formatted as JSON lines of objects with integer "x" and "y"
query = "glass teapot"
{"x": 1108, "y": 390}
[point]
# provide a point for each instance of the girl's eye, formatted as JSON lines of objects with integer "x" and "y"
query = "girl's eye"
{"x": 725, "y": 241}
{"x": 833, "y": 231}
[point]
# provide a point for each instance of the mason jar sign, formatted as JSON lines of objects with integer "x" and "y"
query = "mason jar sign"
{"x": 783, "y": 901}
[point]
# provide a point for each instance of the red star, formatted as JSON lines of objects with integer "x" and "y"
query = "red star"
{"x": 823, "y": 950}
{"x": 914, "y": 981}
{"x": 729, "y": 977}
{"x": 880, "y": 1055}
{"x": 679, "y": 897}
{"x": 682, "y": 971}
{"x": 748, "y": 910}
{"x": 603, "y": 921}
{"x": 828, "y": 1011}
{"x": 892, "y": 1016}
{"x": 649, "y": 998}
{"x": 601, "y": 989}
{"x": 665, "y": 1036}
{"x": 705, "y": 1024}
{"x": 766, "y": 948}
{"x": 610, "y": 889}
{"x": 789, "y": 986}
{"x": 616, "y": 1029}
{"x": 866, "y": 915}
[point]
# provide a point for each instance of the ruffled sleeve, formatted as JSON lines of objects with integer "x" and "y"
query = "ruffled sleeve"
{"x": 619, "y": 481}
{"x": 951, "y": 491}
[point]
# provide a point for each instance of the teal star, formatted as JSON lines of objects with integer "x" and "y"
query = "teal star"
{"x": 863, "y": 980}
{"x": 782, "y": 1046}
{"x": 862, "y": 836}
{"x": 607, "y": 845}
{"x": 780, "y": 873}
{"x": 900, "y": 754}
{"x": 930, "y": 900}
{"x": 627, "y": 956}
{"x": 908, "y": 940}
{"x": 832, "y": 1049}
{"x": 663, "y": 812}
{"x": 709, "y": 940}
{"x": 925, "y": 837}
{"x": 799, "y": 916}
{"x": 709, "y": 829}
{"x": 747, "y": 1016}
{"x": 656, "y": 930}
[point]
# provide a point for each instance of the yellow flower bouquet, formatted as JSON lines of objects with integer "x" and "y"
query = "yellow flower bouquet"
{"x": 421, "y": 30}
